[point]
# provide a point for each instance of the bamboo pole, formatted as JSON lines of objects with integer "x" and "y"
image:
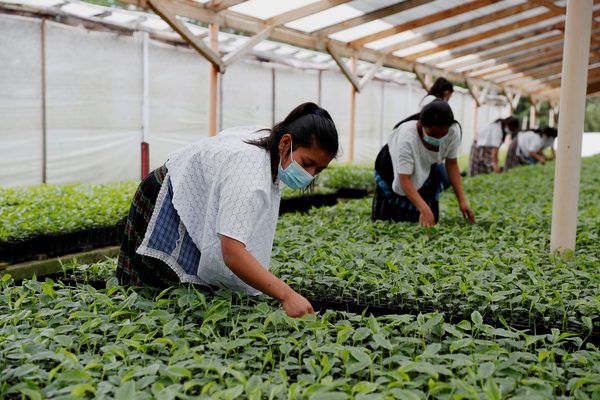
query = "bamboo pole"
{"x": 570, "y": 125}
{"x": 213, "y": 82}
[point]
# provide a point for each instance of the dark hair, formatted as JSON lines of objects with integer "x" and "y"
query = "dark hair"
{"x": 309, "y": 125}
{"x": 550, "y": 132}
{"x": 436, "y": 113}
{"x": 512, "y": 123}
{"x": 440, "y": 86}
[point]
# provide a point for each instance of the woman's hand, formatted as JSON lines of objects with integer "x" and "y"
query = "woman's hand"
{"x": 467, "y": 212}
{"x": 295, "y": 305}
{"x": 426, "y": 219}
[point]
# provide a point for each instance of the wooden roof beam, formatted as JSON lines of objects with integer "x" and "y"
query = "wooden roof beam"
{"x": 537, "y": 59}
{"x": 371, "y": 16}
{"x": 461, "y": 27}
{"x": 304, "y": 11}
{"x": 493, "y": 45}
{"x": 483, "y": 35}
{"x": 220, "y": 5}
{"x": 428, "y": 19}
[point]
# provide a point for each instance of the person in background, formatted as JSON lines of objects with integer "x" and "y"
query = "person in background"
{"x": 408, "y": 180}
{"x": 208, "y": 215}
{"x": 441, "y": 89}
{"x": 529, "y": 146}
{"x": 484, "y": 151}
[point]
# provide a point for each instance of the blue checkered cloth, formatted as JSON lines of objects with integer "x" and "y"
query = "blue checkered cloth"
{"x": 170, "y": 242}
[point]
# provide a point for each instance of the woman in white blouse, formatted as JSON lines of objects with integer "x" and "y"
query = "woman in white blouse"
{"x": 208, "y": 215}
{"x": 406, "y": 173}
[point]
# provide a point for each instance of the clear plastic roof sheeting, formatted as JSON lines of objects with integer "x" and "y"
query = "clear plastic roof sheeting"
{"x": 485, "y": 42}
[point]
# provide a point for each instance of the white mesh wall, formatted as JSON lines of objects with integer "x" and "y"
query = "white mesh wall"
{"x": 335, "y": 98}
{"x": 20, "y": 102}
{"x": 247, "y": 95}
{"x": 94, "y": 105}
{"x": 369, "y": 122}
{"x": 302, "y": 83}
{"x": 178, "y": 86}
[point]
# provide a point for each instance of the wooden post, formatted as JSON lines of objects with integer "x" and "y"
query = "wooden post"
{"x": 213, "y": 82}
{"x": 44, "y": 118}
{"x": 551, "y": 122}
{"x": 570, "y": 125}
{"x": 352, "y": 112}
{"x": 532, "y": 116}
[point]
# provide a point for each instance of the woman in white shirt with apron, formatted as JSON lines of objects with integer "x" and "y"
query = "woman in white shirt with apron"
{"x": 484, "y": 151}
{"x": 208, "y": 216}
{"x": 528, "y": 147}
{"x": 406, "y": 173}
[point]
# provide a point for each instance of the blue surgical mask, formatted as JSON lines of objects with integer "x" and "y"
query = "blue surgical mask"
{"x": 434, "y": 141}
{"x": 294, "y": 176}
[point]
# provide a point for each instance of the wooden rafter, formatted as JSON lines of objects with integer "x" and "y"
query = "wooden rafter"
{"x": 593, "y": 87}
{"x": 484, "y": 35}
{"x": 371, "y": 16}
{"x": 540, "y": 72}
{"x": 460, "y": 27}
{"x": 428, "y": 19}
{"x": 502, "y": 42}
{"x": 165, "y": 10}
{"x": 493, "y": 45}
{"x": 352, "y": 77}
{"x": 304, "y": 11}
{"x": 527, "y": 65}
{"x": 512, "y": 53}
{"x": 219, "y": 5}
{"x": 517, "y": 61}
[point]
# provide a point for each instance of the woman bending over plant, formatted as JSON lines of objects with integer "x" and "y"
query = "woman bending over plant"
{"x": 408, "y": 180}
{"x": 208, "y": 215}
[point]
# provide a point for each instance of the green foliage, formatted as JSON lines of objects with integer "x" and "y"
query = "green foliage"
{"x": 348, "y": 176}
{"x": 501, "y": 266}
{"x": 51, "y": 209}
{"x": 77, "y": 342}
{"x": 592, "y": 115}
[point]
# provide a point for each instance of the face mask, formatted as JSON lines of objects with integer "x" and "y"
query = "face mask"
{"x": 294, "y": 176}
{"x": 433, "y": 141}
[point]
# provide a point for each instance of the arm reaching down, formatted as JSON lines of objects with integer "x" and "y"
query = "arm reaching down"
{"x": 426, "y": 219}
{"x": 455, "y": 181}
{"x": 247, "y": 268}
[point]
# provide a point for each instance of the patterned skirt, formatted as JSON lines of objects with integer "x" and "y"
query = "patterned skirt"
{"x": 512, "y": 159}
{"x": 132, "y": 268}
{"x": 388, "y": 205}
{"x": 480, "y": 160}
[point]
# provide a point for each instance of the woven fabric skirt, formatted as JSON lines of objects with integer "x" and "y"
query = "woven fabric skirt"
{"x": 480, "y": 160}
{"x": 132, "y": 268}
{"x": 388, "y": 205}
{"x": 512, "y": 159}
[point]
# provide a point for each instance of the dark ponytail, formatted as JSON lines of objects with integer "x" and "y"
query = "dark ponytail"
{"x": 436, "y": 113}
{"x": 309, "y": 125}
{"x": 440, "y": 86}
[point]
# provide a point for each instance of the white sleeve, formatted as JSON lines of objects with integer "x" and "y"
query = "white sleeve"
{"x": 453, "y": 142}
{"x": 242, "y": 199}
{"x": 533, "y": 144}
{"x": 405, "y": 161}
{"x": 496, "y": 137}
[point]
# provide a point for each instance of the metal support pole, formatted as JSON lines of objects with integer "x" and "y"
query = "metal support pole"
{"x": 570, "y": 125}
{"x": 145, "y": 150}
{"x": 213, "y": 82}
{"x": 44, "y": 109}
{"x": 352, "y": 113}
{"x": 551, "y": 117}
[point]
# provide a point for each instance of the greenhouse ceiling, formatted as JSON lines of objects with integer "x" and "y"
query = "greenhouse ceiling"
{"x": 513, "y": 47}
